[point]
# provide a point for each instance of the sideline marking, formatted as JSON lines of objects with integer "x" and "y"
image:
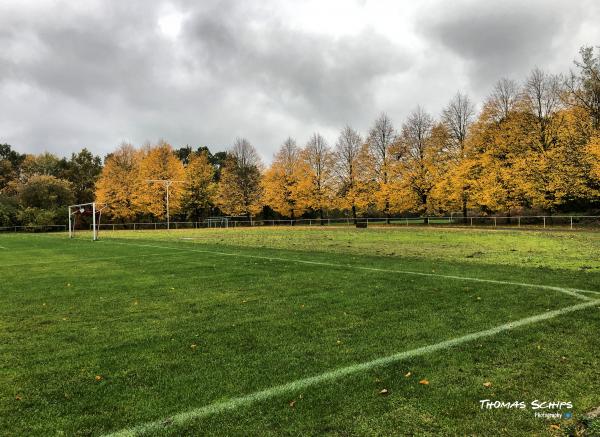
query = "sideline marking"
{"x": 244, "y": 401}
{"x": 570, "y": 291}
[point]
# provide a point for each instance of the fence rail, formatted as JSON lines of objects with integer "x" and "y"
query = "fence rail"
{"x": 34, "y": 228}
{"x": 535, "y": 221}
{"x": 538, "y": 221}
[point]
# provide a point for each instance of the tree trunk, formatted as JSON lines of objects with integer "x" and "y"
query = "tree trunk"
{"x": 354, "y": 213}
{"x": 387, "y": 212}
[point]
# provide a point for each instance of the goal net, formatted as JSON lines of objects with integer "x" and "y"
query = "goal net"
{"x": 217, "y": 222}
{"x": 85, "y": 217}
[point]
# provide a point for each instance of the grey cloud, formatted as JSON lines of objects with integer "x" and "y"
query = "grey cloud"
{"x": 235, "y": 62}
{"x": 93, "y": 74}
{"x": 508, "y": 38}
{"x": 316, "y": 76}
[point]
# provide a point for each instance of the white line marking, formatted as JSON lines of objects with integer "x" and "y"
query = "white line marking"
{"x": 570, "y": 291}
{"x": 244, "y": 401}
{"x": 2, "y": 247}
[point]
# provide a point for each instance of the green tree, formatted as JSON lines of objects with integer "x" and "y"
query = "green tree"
{"x": 83, "y": 171}
{"x": 46, "y": 164}
{"x": 240, "y": 189}
{"x": 46, "y": 192}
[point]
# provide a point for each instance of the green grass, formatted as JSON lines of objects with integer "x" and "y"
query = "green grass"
{"x": 175, "y": 321}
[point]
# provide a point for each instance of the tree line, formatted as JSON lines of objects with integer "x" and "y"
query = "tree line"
{"x": 534, "y": 145}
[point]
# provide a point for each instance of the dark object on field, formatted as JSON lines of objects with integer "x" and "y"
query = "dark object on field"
{"x": 361, "y": 225}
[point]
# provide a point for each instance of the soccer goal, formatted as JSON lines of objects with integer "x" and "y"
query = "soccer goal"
{"x": 217, "y": 222}
{"x": 78, "y": 214}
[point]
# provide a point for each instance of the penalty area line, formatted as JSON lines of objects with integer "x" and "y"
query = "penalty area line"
{"x": 570, "y": 291}
{"x": 332, "y": 375}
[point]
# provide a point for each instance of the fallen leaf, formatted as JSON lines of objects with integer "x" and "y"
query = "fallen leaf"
{"x": 18, "y": 398}
{"x": 293, "y": 404}
{"x": 554, "y": 426}
{"x": 339, "y": 342}
{"x": 407, "y": 374}
{"x": 487, "y": 384}
{"x": 99, "y": 378}
{"x": 424, "y": 382}
{"x": 194, "y": 346}
{"x": 384, "y": 392}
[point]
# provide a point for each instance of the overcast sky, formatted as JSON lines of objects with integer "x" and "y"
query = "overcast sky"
{"x": 97, "y": 73}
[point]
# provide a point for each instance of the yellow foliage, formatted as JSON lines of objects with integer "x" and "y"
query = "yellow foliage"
{"x": 159, "y": 163}
{"x": 593, "y": 157}
{"x": 199, "y": 189}
{"x": 314, "y": 173}
{"x": 280, "y": 181}
{"x": 119, "y": 182}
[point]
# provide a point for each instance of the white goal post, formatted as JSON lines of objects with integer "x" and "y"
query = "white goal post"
{"x": 217, "y": 222}
{"x": 82, "y": 208}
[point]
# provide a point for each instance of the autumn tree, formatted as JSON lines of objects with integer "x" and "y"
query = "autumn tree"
{"x": 199, "y": 188}
{"x": 315, "y": 186}
{"x": 347, "y": 169}
{"x": 584, "y": 85}
{"x": 281, "y": 180}
{"x": 593, "y": 157}
{"x": 492, "y": 149}
{"x": 159, "y": 163}
{"x": 119, "y": 182}
{"x": 457, "y": 118}
{"x": 378, "y": 157}
{"x": 557, "y": 175}
{"x": 541, "y": 101}
{"x": 550, "y": 166}
{"x": 240, "y": 188}
{"x": 417, "y": 172}
{"x": 503, "y": 99}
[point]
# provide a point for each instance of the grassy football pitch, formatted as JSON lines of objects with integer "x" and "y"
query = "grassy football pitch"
{"x": 298, "y": 331}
